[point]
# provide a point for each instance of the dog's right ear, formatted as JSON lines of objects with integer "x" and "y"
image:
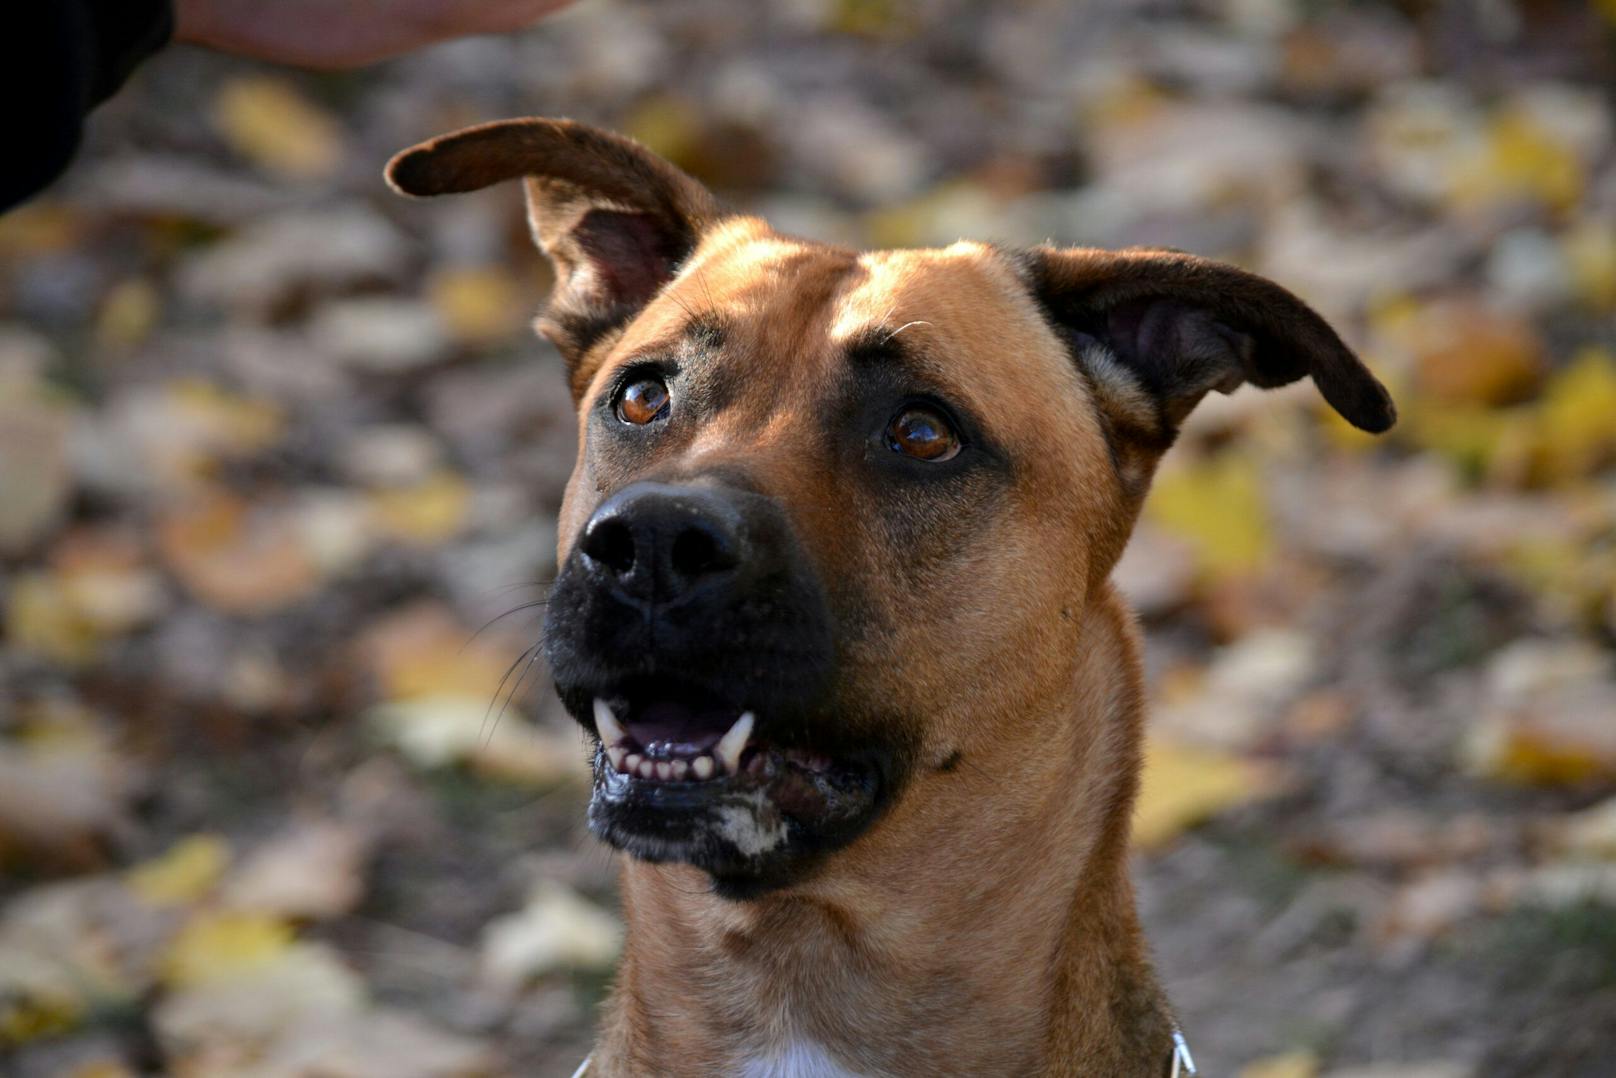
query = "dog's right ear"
{"x": 613, "y": 218}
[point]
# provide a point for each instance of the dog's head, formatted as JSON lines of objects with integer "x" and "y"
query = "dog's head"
{"x": 826, "y": 502}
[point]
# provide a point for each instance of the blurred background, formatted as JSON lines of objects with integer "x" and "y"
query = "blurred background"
{"x": 278, "y": 794}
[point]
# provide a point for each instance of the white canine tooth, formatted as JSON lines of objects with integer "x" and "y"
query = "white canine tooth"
{"x": 664, "y": 770}
{"x": 680, "y": 770}
{"x": 647, "y": 769}
{"x": 702, "y": 768}
{"x": 631, "y": 763}
{"x": 732, "y": 744}
{"x": 615, "y": 754}
{"x": 611, "y": 731}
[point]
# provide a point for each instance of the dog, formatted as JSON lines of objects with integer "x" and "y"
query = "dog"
{"x": 833, "y": 605}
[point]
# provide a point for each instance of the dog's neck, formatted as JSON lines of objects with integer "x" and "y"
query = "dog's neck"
{"x": 997, "y": 936}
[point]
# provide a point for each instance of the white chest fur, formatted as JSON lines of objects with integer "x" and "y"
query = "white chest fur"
{"x": 798, "y": 1059}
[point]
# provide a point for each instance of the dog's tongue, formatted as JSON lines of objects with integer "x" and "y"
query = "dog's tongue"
{"x": 677, "y": 727}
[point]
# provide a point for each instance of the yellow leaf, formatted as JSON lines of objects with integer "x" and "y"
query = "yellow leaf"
{"x": 41, "y": 618}
{"x": 669, "y": 126}
{"x": 31, "y": 1017}
{"x": 1590, "y": 252}
{"x": 128, "y": 313}
{"x": 223, "y": 420}
{"x": 271, "y": 124}
{"x": 1520, "y": 159}
{"x": 1472, "y": 437}
{"x": 218, "y": 946}
{"x": 1522, "y": 755}
{"x": 1184, "y": 785}
{"x": 1217, "y": 505}
{"x": 426, "y": 513}
{"x": 872, "y": 18}
{"x": 478, "y": 304}
{"x": 186, "y": 873}
{"x": 1289, "y": 1065}
{"x": 1576, "y": 419}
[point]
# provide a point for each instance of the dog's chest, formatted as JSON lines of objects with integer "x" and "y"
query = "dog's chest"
{"x": 797, "y": 1059}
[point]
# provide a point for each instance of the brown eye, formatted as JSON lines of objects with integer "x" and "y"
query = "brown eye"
{"x": 923, "y": 433}
{"x": 644, "y": 400}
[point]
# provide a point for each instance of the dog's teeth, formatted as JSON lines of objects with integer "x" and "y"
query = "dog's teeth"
{"x": 732, "y": 744}
{"x": 631, "y": 763}
{"x": 647, "y": 769}
{"x": 680, "y": 770}
{"x": 616, "y": 753}
{"x": 664, "y": 770}
{"x": 611, "y": 731}
{"x": 702, "y": 767}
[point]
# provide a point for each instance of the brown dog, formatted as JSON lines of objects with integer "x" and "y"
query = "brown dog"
{"x": 834, "y": 598}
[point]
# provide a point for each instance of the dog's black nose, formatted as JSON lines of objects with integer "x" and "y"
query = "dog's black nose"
{"x": 658, "y": 543}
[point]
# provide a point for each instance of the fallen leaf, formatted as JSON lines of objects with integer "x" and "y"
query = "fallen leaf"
{"x": 236, "y": 557}
{"x": 426, "y": 513}
{"x": 245, "y": 986}
{"x": 1217, "y": 505}
{"x": 314, "y": 871}
{"x": 1182, "y": 786}
{"x": 222, "y": 946}
{"x": 424, "y": 650}
{"x": 187, "y": 873}
{"x": 1467, "y": 354}
{"x": 478, "y": 304}
{"x": 1548, "y": 718}
{"x": 1575, "y": 433}
{"x": 42, "y": 619}
{"x": 1590, "y": 254}
{"x": 1301, "y": 1064}
{"x": 62, "y": 778}
{"x": 556, "y": 930}
{"x": 272, "y": 125}
{"x": 500, "y": 742}
{"x": 129, "y": 313}
{"x": 1590, "y": 833}
{"x": 36, "y": 479}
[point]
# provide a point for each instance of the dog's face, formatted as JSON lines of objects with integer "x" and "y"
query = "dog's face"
{"x": 825, "y": 501}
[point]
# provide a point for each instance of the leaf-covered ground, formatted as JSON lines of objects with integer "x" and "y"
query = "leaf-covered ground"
{"x": 275, "y": 445}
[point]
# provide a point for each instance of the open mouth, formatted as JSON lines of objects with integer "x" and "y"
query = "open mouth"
{"x": 662, "y": 735}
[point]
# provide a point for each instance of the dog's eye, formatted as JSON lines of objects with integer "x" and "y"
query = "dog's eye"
{"x": 642, "y": 400}
{"x": 923, "y": 433}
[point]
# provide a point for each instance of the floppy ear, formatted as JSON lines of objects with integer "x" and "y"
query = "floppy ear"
{"x": 1155, "y": 330}
{"x": 613, "y": 218}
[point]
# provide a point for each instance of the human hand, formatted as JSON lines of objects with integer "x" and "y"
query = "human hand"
{"x": 344, "y": 33}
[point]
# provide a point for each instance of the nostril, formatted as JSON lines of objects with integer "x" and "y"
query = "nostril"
{"x": 698, "y": 551}
{"x": 611, "y": 543}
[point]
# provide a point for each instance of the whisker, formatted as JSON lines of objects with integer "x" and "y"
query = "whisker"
{"x": 527, "y": 654}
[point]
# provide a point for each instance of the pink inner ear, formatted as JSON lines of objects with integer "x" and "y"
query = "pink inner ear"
{"x": 632, "y": 255}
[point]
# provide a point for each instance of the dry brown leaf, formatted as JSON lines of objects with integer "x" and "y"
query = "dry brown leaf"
{"x": 313, "y": 871}
{"x": 236, "y": 558}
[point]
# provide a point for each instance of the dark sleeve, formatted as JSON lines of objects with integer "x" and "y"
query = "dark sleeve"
{"x": 61, "y": 59}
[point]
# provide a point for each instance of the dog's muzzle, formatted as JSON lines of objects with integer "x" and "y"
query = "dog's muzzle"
{"x": 690, "y": 634}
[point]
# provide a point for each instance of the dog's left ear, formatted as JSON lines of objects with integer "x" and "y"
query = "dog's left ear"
{"x": 1155, "y": 330}
{"x": 614, "y": 219}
